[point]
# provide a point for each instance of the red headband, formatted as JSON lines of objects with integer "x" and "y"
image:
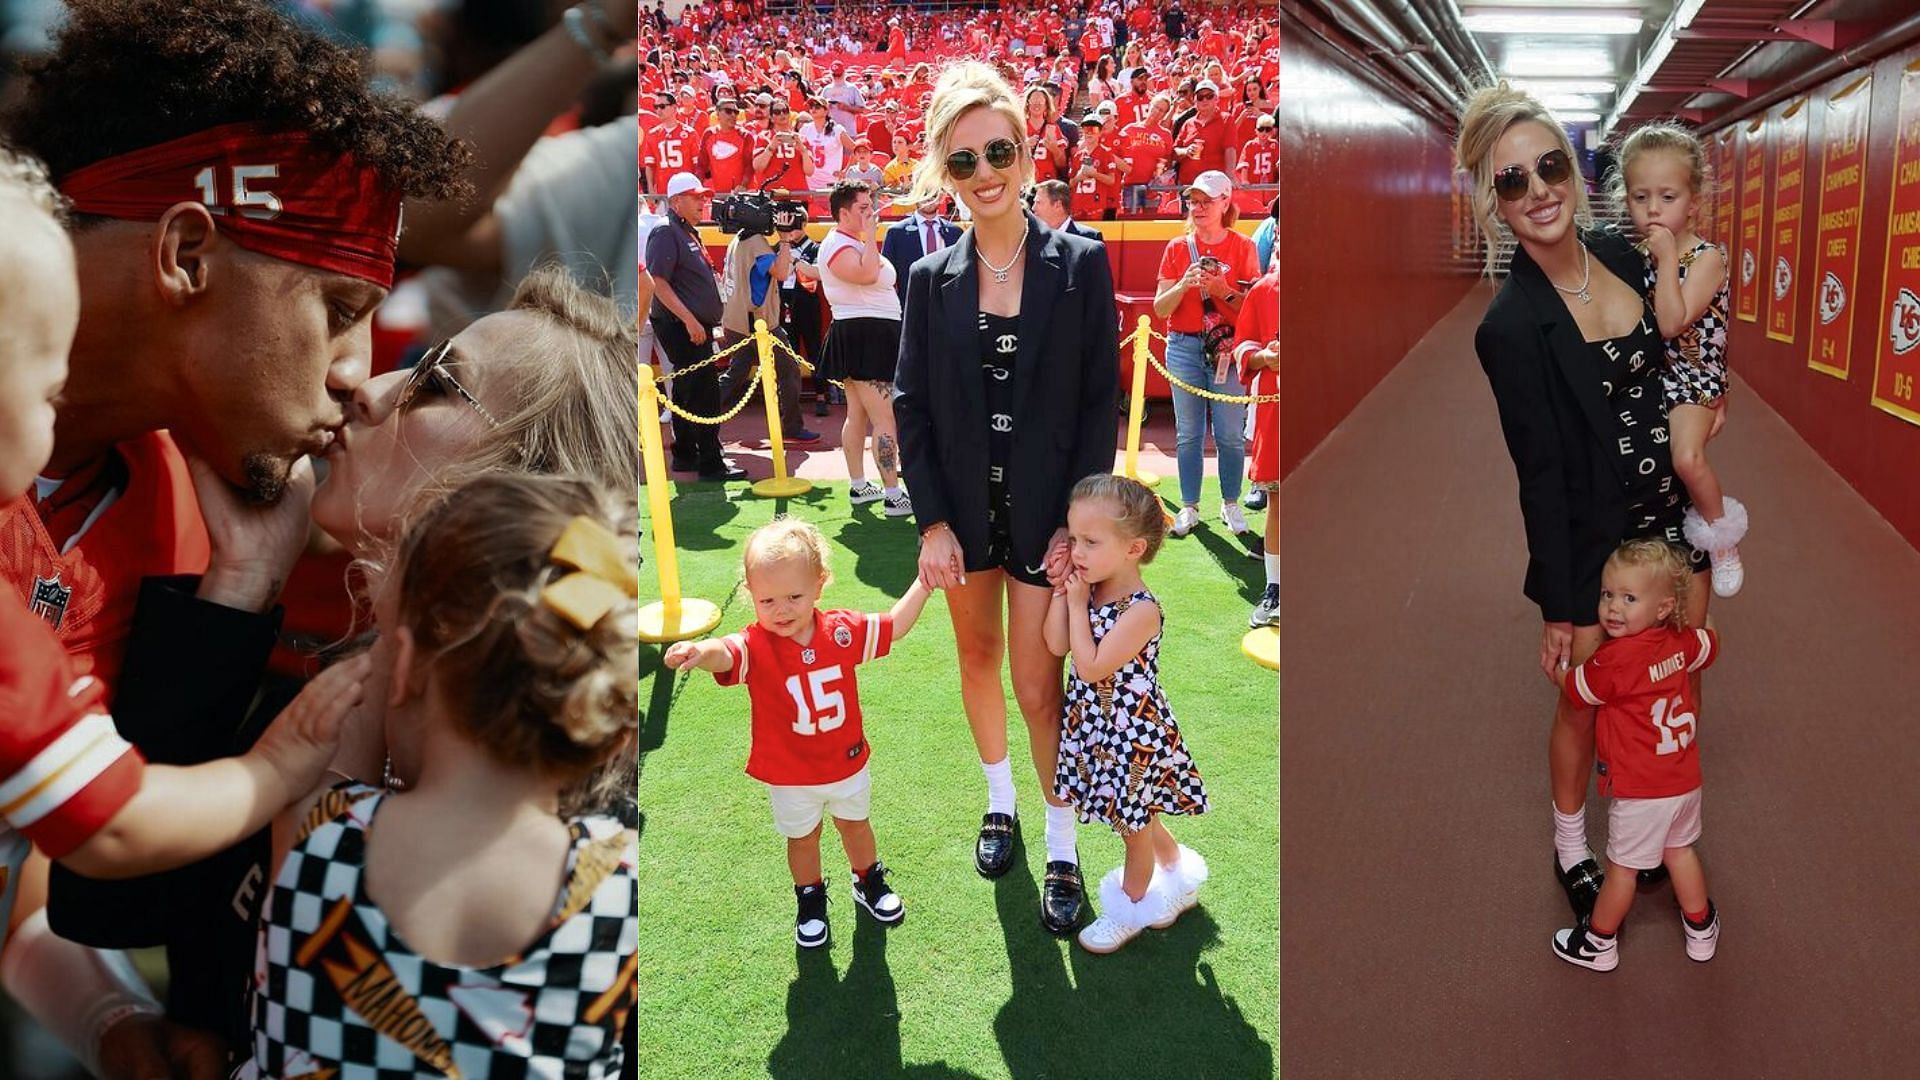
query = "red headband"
{"x": 273, "y": 192}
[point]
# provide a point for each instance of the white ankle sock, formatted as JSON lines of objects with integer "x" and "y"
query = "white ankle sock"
{"x": 999, "y": 786}
{"x": 893, "y": 491}
{"x": 856, "y": 481}
{"x": 1060, "y": 826}
{"x": 1273, "y": 567}
{"x": 1570, "y": 836}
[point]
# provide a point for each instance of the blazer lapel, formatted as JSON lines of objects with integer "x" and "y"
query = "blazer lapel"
{"x": 960, "y": 326}
{"x": 1568, "y": 346}
{"x": 1040, "y": 292}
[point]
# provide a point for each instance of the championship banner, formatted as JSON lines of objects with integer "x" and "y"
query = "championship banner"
{"x": 1753, "y": 185}
{"x": 1897, "y": 355}
{"x": 1789, "y": 191}
{"x": 1836, "y": 249}
{"x": 1724, "y": 189}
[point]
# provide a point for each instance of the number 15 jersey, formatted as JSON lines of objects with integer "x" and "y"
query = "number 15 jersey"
{"x": 805, "y": 698}
{"x": 1643, "y": 739}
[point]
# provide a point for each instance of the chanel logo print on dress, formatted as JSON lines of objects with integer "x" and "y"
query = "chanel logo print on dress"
{"x": 1660, "y": 435}
{"x": 1007, "y": 343}
{"x": 999, "y": 373}
{"x": 996, "y": 474}
{"x": 1002, "y": 422}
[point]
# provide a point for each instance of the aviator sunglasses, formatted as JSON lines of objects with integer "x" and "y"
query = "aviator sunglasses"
{"x": 1001, "y": 154}
{"x": 431, "y": 373}
{"x": 1511, "y": 183}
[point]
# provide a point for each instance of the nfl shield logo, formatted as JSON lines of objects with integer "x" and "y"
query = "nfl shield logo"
{"x": 49, "y": 600}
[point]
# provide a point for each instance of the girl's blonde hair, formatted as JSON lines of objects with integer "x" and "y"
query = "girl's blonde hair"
{"x": 788, "y": 539}
{"x": 962, "y": 88}
{"x": 1650, "y": 138}
{"x": 1668, "y": 564}
{"x": 522, "y": 681}
{"x": 1489, "y": 113}
{"x": 1137, "y": 513}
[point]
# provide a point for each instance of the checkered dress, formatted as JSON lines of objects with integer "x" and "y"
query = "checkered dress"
{"x": 338, "y": 995}
{"x": 1121, "y": 754}
{"x": 1696, "y": 371}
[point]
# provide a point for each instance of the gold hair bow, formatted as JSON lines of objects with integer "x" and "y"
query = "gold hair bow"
{"x": 602, "y": 577}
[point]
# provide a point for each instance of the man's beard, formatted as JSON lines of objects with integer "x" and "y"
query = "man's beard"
{"x": 266, "y": 478}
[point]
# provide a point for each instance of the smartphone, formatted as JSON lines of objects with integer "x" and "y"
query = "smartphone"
{"x": 1212, "y": 265}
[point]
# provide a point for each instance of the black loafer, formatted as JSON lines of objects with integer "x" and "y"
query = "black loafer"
{"x": 723, "y": 473}
{"x": 1582, "y": 884}
{"x": 1063, "y": 897}
{"x": 1649, "y": 878}
{"x": 993, "y": 852}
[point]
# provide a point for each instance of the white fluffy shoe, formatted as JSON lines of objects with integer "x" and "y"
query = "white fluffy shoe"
{"x": 1180, "y": 885}
{"x": 1720, "y": 539}
{"x": 1122, "y": 918}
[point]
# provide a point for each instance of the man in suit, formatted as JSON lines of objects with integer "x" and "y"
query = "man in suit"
{"x": 1050, "y": 201}
{"x": 922, "y": 234}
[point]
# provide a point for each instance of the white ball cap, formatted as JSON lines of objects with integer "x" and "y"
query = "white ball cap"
{"x": 1213, "y": 183}
{"x": 683, "y": 183}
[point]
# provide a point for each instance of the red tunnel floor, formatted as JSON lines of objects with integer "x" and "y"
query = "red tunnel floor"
{"x": 1416, "y": 902}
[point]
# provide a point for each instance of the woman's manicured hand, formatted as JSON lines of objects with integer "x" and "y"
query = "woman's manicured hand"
{"x": 940, "y": 565}
{"x": 1556, "y": 647}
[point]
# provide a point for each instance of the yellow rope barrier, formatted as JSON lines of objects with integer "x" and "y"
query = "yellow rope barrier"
{"x": 780, "y": 484}
{"x": 1231, "y": 399}
{"x": 712, "y": 420}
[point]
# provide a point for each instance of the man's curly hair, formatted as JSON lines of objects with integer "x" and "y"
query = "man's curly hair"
{"x": 126, "y": 74}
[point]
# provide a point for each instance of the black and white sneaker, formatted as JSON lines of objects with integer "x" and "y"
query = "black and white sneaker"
{"x": 899, "y": 505}
{"x": 1267, "y": 612}
{"x": 871, "y": 892}
{"x": 865, "y": 491}
{"x": 810, "y": 924}
{"x": 1581, "y": 945}
{"x": 1702, "y": 940}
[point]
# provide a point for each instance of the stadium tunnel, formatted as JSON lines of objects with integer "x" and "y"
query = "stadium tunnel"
{"x": 1421, "y": 784}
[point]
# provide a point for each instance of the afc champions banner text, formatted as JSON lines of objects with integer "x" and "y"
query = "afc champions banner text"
{"x": 1836, "y": 247}
{"x": 1753, "y": 208}
{"x": 1897, "y": 348}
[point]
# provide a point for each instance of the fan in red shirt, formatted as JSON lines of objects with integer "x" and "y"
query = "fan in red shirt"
{"x": 1147, "y": 147}
{"x": 726, "y": 151}
{"x": 1202, "y": 143}
{"x": 808, "y": 744}
{"x": 780, "y": 159}
{"x": 1257, "y": 349}
{"x": 666, "y": 150}
{"x": 1097, "y": 171}
{"x": 1260, "y": 158}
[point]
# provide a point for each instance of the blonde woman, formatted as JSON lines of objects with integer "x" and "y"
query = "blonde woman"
{"x": 1572, "y": 351}
{"x": 1007, "y": 393}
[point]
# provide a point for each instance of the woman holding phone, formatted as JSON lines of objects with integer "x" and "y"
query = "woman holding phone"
{"x": 1007, "y": 394}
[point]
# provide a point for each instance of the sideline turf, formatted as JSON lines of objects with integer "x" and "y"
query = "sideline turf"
{"x": 969, "y": 985}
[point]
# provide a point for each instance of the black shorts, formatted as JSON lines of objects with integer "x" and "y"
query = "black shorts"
{"x": 1665, "y": 526}
{"x": 1017, "y": 565}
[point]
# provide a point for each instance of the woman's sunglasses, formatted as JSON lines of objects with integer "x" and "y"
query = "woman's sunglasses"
{"x": 432, "y": 375}
{"x": 1512, "y": 182}
{"x": 1001, "y": 154}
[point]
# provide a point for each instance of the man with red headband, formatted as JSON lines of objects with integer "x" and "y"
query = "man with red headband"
{"x": 234, "y": 229}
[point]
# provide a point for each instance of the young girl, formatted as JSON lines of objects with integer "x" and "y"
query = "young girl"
{"x": 808, "y": 745}
{"x": 1644, "y": 741}
{"x": 1663, "y": 169}
{"x": 477, "y": 923}
{"x": 1122, "y": 760}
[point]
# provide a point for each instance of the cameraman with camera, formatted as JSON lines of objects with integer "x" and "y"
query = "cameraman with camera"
{"x": 758, "y": 260}
{"x": 686, "y": 301}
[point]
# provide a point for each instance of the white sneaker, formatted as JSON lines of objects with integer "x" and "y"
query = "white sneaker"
{"x": 1728, "y": 574}
{"x": 1231, "y": 516}
{"x": 1721, "y": 540}
{"x": 1701, "y": 943}
{"x": 865, "y": 491}
{"x": 899, "y": 505}
{"x": 1187, "y": 520}
{"x": 1582, "y": 946}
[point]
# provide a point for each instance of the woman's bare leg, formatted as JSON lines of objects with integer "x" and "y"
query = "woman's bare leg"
{"x": 876, "y": 403}
{"x": 1570, "y": 747}
{"x": 974, "y": 609}
{"x": 1036, "y": 678}
{"x": 853, "y": 432}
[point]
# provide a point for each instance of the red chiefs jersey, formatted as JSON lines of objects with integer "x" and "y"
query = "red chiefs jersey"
{"x": 1145, "y": 145}
{"x": 1260, "y": 162}
{"x": 1643, "y": 738}
{"x": 806, "y": 698}
{"x": 87, "y": 594}
{"x": 726, "y": 157}
{"x": 64, "y": 770}
{"x": 1210, "y": 138}
{"x": 1091, "y": 199}
{"x": 1129, "y": 107}
{"x": 783, "y": 168}
{"x": 1258, "y": 325}
{"x": 668, "y": 149}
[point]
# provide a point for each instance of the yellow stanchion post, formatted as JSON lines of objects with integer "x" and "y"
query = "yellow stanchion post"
{"x": 1262, "y": 646}
{"x": 673, "y": 618}
{"x": 779, "y": 485}
{"x": 1142, "y": 356}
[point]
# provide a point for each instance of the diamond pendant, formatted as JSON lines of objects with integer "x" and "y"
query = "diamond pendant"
{"x": 1585, "y": 296}
{"x": 1000, "y": 276}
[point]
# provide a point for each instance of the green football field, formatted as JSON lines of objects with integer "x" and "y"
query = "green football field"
{"x": 969, "y": 985}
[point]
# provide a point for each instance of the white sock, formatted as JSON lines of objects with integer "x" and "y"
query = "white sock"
{"x": 1060, "y": 835}
{"x": 893, "y": 491}
{"x": 999, "y": 786}
{"x": 856, "y": 481}
{"x": 1273, "y": 567}
{"x": 1570, "y": 837}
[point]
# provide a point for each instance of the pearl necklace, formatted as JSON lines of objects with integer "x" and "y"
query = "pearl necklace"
{"x": 1000, "y": 272}
{"x": 1586, "y": 278}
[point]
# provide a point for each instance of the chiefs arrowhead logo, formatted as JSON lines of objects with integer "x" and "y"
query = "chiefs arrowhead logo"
{"x": 1904, "y": 322}
{"x": 1782, "y": 278}
{"x": 1833, "y": 298}
{"x": 1746, "y": 267}
{"x": 723, "y": 150}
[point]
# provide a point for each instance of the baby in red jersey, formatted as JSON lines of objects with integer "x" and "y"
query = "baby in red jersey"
{"x": 1641, "y": 680}
{"x": 808, "y": 745}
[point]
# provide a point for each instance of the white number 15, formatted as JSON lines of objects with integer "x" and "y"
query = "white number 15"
{"x": 259, "y": 204}
{"x": 826, "y": 710}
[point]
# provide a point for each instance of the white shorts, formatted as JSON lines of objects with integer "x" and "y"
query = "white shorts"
{"x": 797, "y": 809}
{"x": 1640, "y": 830}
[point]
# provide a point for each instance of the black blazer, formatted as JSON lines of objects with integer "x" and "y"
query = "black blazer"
{"x": 1554, "y": 414}
{"x": 903, "y": 246}
{"x": 1078, "y": 229}
{"x": 1066, "y": 380}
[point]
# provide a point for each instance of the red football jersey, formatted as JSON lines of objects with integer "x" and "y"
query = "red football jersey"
{"x": 783, "y": 167}
{"x": 726, "y": 157}
{"x": 1259, "y": 324}
{"x": 1210, "y": 139}
{"x": 1091, "y": 198}
{"x": 806, "y": 698}
{"x": 1260, "y": 162}
{"x": 669, "y": 149}
{"x": 1145, "y": 145}
{"x": 64, "y": 770}
{"x": 87, "y": 594}
{"x": 1644, "y": 736}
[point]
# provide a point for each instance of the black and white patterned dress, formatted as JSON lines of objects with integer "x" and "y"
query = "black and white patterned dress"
{"x": 1696, "y": 370}
{"x": 1121, "y": 754}
{"x": 338, "y": 994}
